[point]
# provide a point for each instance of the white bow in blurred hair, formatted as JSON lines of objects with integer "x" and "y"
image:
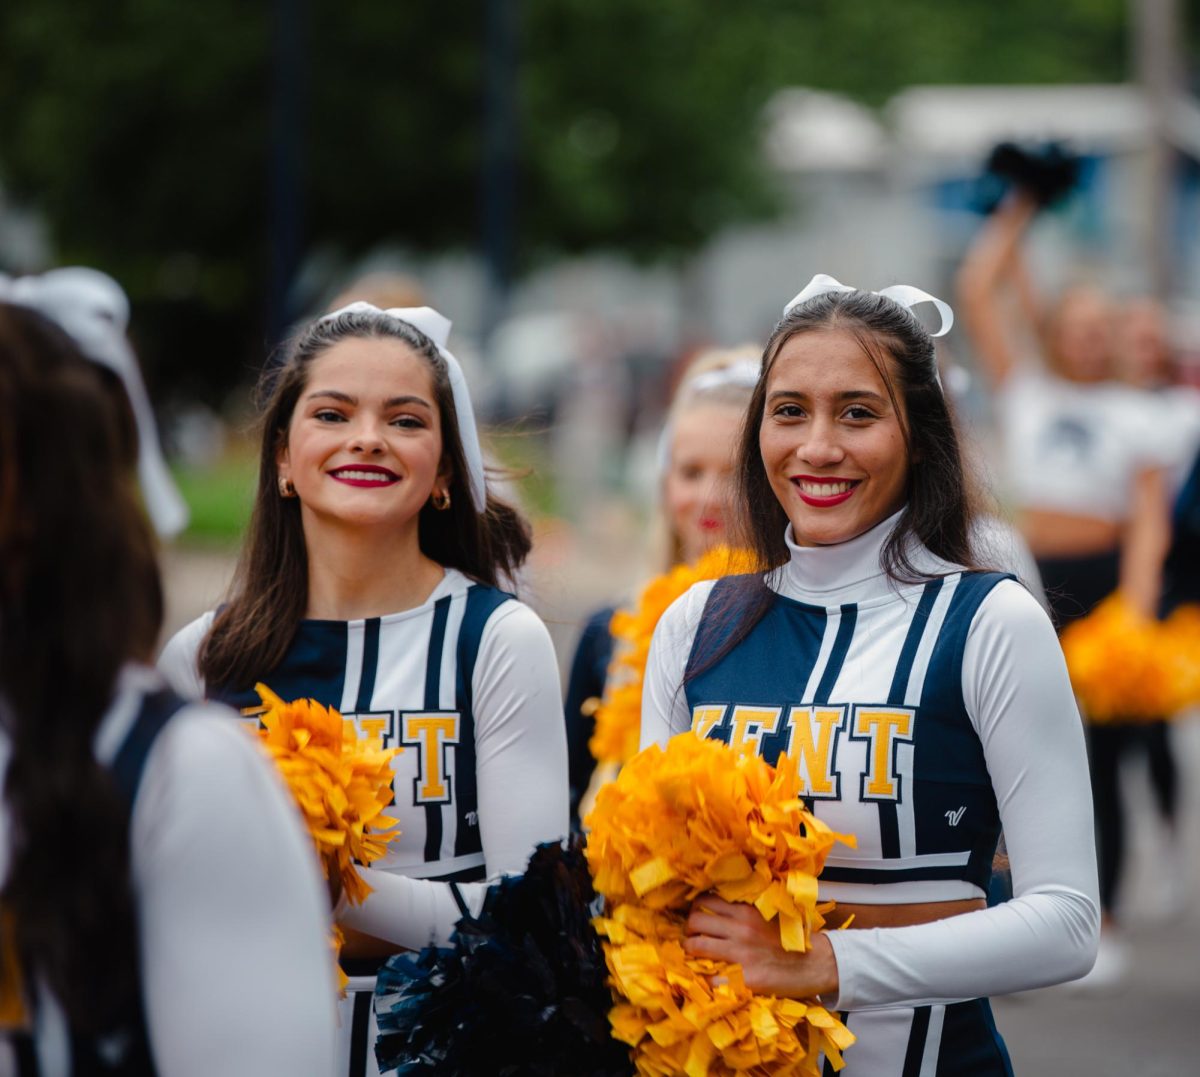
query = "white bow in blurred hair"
{"x": 437, "y": 328}
{"x": 93, "y": 310}
{"x": 904, "y": 294}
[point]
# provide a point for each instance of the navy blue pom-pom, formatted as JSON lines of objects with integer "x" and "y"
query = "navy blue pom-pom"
{"x": 521, "y": 989}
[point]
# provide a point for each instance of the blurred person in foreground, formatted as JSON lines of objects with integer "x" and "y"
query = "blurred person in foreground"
{"x": 146, "y": 928}
{"x": 695, "y": 462}
{"x": 1084, "y": 465}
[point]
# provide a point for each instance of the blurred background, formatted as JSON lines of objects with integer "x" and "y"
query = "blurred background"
{"x": 594, "y": 192}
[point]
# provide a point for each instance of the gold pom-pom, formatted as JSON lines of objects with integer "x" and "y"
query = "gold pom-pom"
{"x": 619, "y": 714}
{"x": 1125, "y": 667}
{"x": 341, "y": 782}
{"x": 677, "y": 823}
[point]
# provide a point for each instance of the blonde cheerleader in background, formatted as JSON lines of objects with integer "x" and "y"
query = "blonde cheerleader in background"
{"x": 694, "y": 458}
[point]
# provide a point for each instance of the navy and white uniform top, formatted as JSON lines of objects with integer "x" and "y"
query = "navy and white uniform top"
{"x": 467, "y": 684}
{"x": 1077, "y": 447}
{"x": 924, "y": 717}
{"x": 232, "y": 919}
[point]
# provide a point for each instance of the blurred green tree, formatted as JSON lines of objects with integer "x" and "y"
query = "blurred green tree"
{"x": 141, "y": 128}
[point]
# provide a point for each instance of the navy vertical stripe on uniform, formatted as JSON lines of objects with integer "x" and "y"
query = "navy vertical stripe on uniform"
{"x": 912, "y": 641}
{"x": 481, "y": 604}
{"x": 916, "y": 1043}
{"x": 433, "y": 702}
{"x": 971, "y": 1043}
{"x": 370, "y": 662}
{"x": 130, "y": 761}
{"x": 837, "y": 657}
{"x": 27, "y": 1063}
{"x": 939, "y": 777}
{"x": 889, "y": 824}
{"x": 359, "y": 1037}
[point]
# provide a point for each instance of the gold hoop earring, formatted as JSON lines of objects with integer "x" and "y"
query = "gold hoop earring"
{"x": 286, "y": 489}
{"x": 441, "y": 501}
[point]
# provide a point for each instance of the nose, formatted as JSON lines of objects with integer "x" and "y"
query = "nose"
{"x": 822, "y": 446}
{"x": 366, "y": 438}
{"x": 718, "y": 494}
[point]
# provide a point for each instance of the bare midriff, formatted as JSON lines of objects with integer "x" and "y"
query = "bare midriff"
{"x": 1065, "y": 534}
{"x": 922, "y": 912}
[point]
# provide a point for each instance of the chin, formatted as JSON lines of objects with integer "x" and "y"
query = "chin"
{"x": 827, "y": 533}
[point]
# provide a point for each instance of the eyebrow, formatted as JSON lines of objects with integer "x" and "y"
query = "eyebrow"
{"x": 851, "y": 394}
{"x": 391, "y": 402}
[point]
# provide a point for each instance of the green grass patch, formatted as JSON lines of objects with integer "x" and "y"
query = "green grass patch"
{"x": 220, "y": 497}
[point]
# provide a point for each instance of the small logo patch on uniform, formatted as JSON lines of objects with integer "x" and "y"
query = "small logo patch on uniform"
{"x": 955, "y": 817}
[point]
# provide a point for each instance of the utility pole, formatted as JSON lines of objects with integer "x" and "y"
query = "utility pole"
{"x": 285, "y": 196}
{"x": 499, "y": 177}
{"x": 1157, "y": 35}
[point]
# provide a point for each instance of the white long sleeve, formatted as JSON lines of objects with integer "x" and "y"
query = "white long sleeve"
{"x": 1016, "y": 690}
{"x": 237, "y": 969}
{"x": 521, "y": 768}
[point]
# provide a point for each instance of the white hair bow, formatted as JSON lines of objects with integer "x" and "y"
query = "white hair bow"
{"x": 904, "y": 294}
{"x": 437, "y": 328}
{"x": 92, "y": 309}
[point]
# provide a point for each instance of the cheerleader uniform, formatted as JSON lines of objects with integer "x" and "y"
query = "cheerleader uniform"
{"x": 467, "y": 684}
{"x": 924, "y": 717}
{"x": 232, "y": 920}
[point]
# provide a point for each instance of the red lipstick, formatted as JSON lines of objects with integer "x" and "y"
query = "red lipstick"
{"x": 351, "y": 475}
{"x": 823, "y": 501}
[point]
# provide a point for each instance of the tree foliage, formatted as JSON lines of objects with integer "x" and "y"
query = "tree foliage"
{"x": 142, "y": 129}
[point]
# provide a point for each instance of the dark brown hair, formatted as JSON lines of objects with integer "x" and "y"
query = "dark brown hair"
{"x": 79, "y": 597}
{"x": 252, "y": 633}
{"x": 939, "y": 501}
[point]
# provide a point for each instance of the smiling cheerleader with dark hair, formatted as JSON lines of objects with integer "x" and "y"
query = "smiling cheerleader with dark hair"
{"x": 370, "y": 582}
{"x": 924, "y": 699}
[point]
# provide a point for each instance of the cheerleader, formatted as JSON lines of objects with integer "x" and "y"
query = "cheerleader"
{"x": 368, "y": 583}
{"x": 146, "y": 929}
{"x": 695, "y": 466}
{"x": 1145, "y": 365}
{"x": 926, "y": 701}
{"x": 1085, "y": 467}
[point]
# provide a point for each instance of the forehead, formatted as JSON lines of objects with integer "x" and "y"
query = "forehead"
{"x": 708, "y": 430}
{"x": 1084, "y": 303}
{"x": 827, "y": 361}
{"x": 383, "y": 367}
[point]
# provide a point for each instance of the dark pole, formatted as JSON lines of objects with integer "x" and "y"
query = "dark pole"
{"x": 499, "y": 180}
{"x": 1157, "y": 37}
{"x": 286, "y": 181}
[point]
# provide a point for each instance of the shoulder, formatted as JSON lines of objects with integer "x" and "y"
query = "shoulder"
{"x": 179, "y": 657}
{"x": 207, "y": 738}
{"x": 1010, "y": 624}
{"x": 676, "y": 630}
{"x": 499, "y": 613}
{"x": 1007, "y": 602}
{"x": 682, "y": 617}
{"x": 207, "y": 773}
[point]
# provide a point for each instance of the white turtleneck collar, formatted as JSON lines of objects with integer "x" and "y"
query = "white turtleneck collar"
{"x": 848, "y": 571}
